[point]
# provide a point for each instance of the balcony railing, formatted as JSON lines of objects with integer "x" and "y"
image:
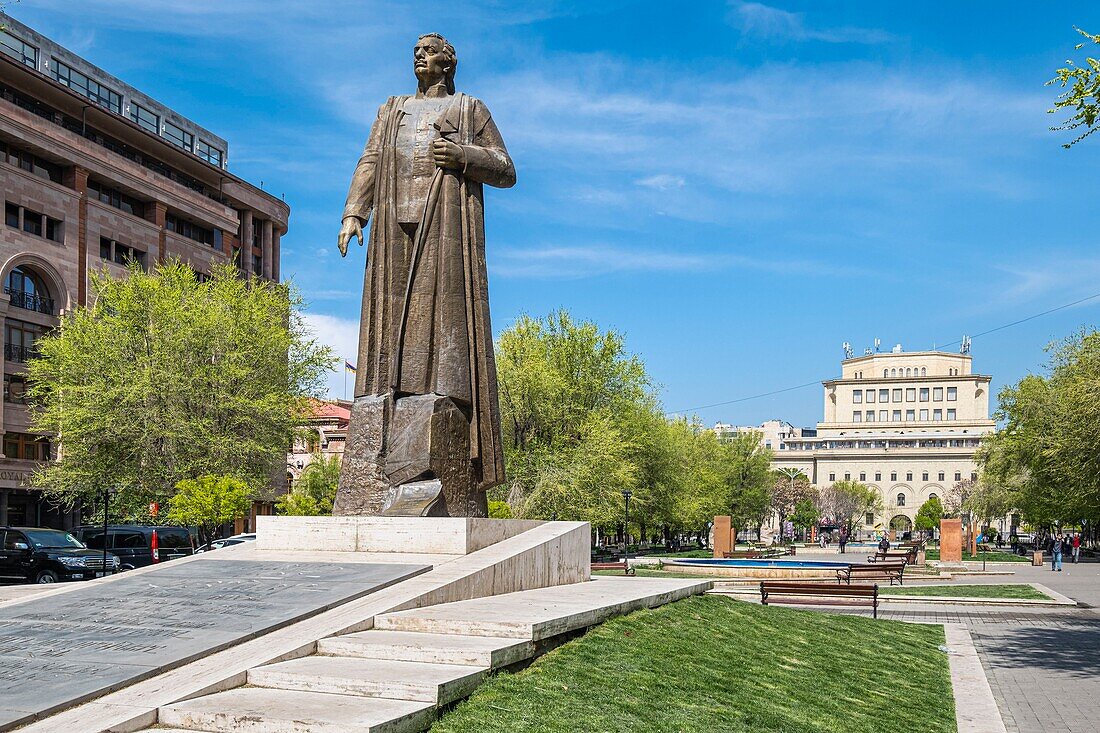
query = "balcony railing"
{"x": 19, "y": 353}
{"x": 30, "y": 301}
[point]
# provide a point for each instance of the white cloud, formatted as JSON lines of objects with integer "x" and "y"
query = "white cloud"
{"x": 342, "y": 335}
{"x": 768, "y": 22}
{"x": 662, "y": 181}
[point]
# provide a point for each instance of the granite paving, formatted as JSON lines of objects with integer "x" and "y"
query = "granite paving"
{"x": 62, "y": 648}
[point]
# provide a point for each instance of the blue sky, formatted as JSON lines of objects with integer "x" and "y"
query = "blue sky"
{"x": 738, "y": 187}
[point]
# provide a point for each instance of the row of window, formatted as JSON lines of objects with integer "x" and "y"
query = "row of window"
{"x": 910, "y": 415}
{"x": 908, "y": 476}
{"x": 29, "y": 162}
{"x": 194, "y": 231}
{"x": 32, "y": 222}
{"x": 114, "y": 197}
{"x": 26, "y": 446}
{"x": 112, "y": 251}
{"x": 910, "y": 394}
{"x": 90, "y": 88}
{"x": 18, "y": 49}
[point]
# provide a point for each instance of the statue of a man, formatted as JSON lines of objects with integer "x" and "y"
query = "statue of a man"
{"x": 426, "y": 389}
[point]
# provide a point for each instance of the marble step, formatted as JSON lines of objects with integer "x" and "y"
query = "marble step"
{"x": 408, "y": 646}
{"x": 432, "y": 683}
{"x": 260, "y": 710}
{"x": 543, "y": 613}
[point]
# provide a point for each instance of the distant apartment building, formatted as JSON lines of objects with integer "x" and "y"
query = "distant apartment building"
{"x": 773, "y": 433}
{"x": 96, "y": 174}
{"x": 905, "y": 423}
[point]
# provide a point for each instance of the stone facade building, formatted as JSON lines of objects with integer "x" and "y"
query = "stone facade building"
{"x": 327, "y": 434}
{"x": 906, "y": 424}
{"x": 94, "y": 174}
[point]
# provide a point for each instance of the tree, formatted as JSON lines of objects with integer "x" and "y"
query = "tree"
{"x": 805, "y": 514}
{"x": 1082, "y": 95}
{"x": 957, "y": 499}
{"x": 208, "y": 502}
{"x": 845, "y": 501}
{"x": 164, "y": 378}
{"x": 500, "y": 510}
{"x": 929, "y": 514}
{"x": 791, "y": 487}
{"x": 315, "y": 490}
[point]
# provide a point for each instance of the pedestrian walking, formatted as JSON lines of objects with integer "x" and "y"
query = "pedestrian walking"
{"x": 1076, "y": 544}
{"x": 1056, "y": 554}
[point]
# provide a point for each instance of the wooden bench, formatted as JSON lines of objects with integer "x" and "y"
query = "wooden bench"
{"x": 627, "y": 570}
{"x": 893, "y": 556}
{"x": 984, "y": 547}
{"x": 879, "y": 571}
{"x": 802, "y": 593}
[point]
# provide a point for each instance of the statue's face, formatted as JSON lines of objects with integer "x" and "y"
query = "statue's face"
{"x": 430, "y": 63}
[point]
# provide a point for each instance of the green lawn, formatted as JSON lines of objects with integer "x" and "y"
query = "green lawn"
{"x": 931, "y": 554}
{"x": 1014, "y": 590}
{"x": 711, "y": 664}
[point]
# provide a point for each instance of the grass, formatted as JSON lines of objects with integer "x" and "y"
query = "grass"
{"x": 1016, "y": 590}
{"x": 710, "y": 663}
{"x": 931, "y": 554}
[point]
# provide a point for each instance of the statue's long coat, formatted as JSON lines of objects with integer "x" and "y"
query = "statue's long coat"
{"x": 430, "y": 332}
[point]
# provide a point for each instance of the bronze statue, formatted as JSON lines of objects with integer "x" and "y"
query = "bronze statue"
{"x": 425, "y": 426}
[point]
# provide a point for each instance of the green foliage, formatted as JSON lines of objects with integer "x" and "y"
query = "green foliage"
{"x": 208, "y": 502}
{"x": 805, "y": 514}
{"x": 1045, "y": 462}
{"x": 845, "y": 502}
{"x": 1082, "y": 93}
{"x": 165, "y": 378}
{"x": 929, "y": 514}
{"x": 315, "y": 490}
{"x": 500, "y": 510}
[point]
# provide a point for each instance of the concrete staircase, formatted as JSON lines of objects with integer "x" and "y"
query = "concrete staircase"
{"x": 392, "y": 678}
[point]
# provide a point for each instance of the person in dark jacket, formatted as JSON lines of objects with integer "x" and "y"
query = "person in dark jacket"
{"x": 1056, "y": 554}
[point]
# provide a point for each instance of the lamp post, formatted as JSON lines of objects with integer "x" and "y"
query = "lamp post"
{"x": 626, "y": 529}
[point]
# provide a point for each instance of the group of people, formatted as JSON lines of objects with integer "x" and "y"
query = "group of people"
{"x": 823, "y": 540}
{"x": 1063, "y": 544}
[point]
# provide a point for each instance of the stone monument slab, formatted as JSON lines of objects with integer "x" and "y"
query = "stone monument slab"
{"x": 951, "y": 541}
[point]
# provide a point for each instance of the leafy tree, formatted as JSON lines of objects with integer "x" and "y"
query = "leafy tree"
{"x": 500, "y": 510}
{"x": 315, "y": 490}
{"x": 929, "y": 514}
{"x": 846, "y": 501}
{"x": 1082, "y": 93}
{"x": 208, "y": 502}
{"x": 791, "y": 487}
{"x": 165, "y": 378}
{"x": 805, "y": 514}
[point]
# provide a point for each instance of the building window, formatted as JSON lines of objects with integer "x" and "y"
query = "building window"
{"x": 81, "y": 84}
{"x": 897, "y": 395}
{"x": 952, "y": 394}
{"x": 884, "y": 395}
{"x": 895, "y": 416}
{"x": 32, "y": 222}
{"x": 878, "y": 476}
{"x": 883, "y": 416}
{"x": 23, "y": 446}
{"x": 911, "y": 394}
{"x": 958, "y": 476}
{"x": 941, "y": 475}
{"x": 145, "y": 118}
{"x": 863, "y": 477}
{"x": 909, "y": 477}
{"x": 932, "y": 496}
{"x": 26, "y": 290}
{"x": 951, "y": 414}
{"x": 857, "y": 397}
{"x": 30, "y": 162}
{"x": 893, "y": 477}
{"x": 870, "y": 395}
{"x": 901, "y": 499}
{"x": 257, "y": 265}
{"x": 18, "y": 49}
{"x": 924, "y": 476}
{"x": 857, "y": 416}
{"x": 869, "y": 519}
{"x": 189, "y": 229}
{"x": 179, "y": 136}
{"x": 924, "y": 415}
{"x": 923, "y": 394}
{"x": 908, "y": 372}
{"x": 885, "y": 373}
{"x": 209, "y": 153}
{"x": 870, "y": 416}
{"x": 114, "y": 197}
{"x": 121, "y": 254}
{"x": 847, "y": 477}
{"x": 910, "y": 415}
{"x": 924, "y": 371}
{"x": 893, "y": 372}
{"x": 937, "y": 415}
{"x": 19, "y": 338}
{"x": 937, "y": 394}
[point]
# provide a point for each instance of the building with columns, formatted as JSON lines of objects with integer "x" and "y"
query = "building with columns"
{"x": 905, "y": 423}
{"x": 95, "y": 174}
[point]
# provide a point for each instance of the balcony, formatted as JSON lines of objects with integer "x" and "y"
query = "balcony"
{"x": 21, "y": 354}
{"x": 31, "y": 301}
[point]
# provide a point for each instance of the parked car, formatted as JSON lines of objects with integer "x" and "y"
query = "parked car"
{"x": 138, "y": 545}
{"x": 37, "y": 555}
{"x": 229, "y": 541}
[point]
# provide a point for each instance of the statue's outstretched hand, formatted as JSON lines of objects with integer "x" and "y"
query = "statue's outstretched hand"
{"x": 351, "y": 228}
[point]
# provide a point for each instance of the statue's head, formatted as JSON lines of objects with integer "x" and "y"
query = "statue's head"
{"x": 434, "y": 60}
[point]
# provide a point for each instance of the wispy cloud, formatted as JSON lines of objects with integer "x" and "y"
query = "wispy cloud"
{"x": 342, "y": 334}
{"x": 765, "y": 21}
{"x": 662, "y": 181}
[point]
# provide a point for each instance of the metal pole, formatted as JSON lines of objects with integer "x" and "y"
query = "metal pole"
{"x": 626, "y": 532}
{"x": 106, "y": 504}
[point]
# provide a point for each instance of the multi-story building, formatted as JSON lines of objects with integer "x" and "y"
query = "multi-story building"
{"x": 95, "y": 174}
{"x": 773, "y": 433}
{"x": 906, "y": 424}
{"x": 326, "y": 434}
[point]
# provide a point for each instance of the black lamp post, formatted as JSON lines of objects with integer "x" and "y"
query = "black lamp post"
{"x": 626, "y": 529}
{"x": 106, "y": 505}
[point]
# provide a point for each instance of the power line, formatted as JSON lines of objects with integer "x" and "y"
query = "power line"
{"x": 950, "y": 343}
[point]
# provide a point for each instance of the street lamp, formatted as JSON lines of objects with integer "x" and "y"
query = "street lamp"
{"x": 107, "y": 491}
{"x": 626, "y": 529}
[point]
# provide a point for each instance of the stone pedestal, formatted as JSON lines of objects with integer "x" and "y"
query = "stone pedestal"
{"x": 950, "y": 540}
{"x": 363, "y": 482}
{"x": 723, "y": 540}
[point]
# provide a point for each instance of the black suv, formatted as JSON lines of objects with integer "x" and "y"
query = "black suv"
{"x": 138, "y": 545}
{"x": 37, "y": 555}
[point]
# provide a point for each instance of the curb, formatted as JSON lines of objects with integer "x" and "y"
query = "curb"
{"x": 975, "y": 707}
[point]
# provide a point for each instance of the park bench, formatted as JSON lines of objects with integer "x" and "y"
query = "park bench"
{"x": 627, "y": 570}
{"x": 879, "y": 571}
{"x": 803, "y": 593}
{"x": 984, "y": 547}
{"x": 907, "y": 556}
